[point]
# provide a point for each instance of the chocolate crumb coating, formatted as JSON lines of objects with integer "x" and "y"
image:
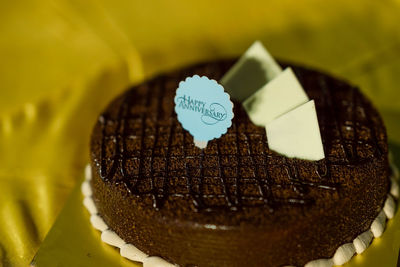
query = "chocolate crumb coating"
{"x": 237, "y": 203}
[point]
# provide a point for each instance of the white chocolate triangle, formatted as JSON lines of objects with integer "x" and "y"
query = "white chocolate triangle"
{"x": 296, "y": 134}
{"x": 252, "y": 71}
{"x": 274, "y": 99}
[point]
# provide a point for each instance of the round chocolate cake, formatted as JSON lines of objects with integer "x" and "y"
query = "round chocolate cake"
{"x": 237, "y": 203}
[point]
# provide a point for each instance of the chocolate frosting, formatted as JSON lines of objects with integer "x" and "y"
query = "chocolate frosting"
{"x": 237, "y": 203}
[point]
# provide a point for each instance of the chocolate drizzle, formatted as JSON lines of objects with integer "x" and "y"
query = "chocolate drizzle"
{"x": 233, "y": 172}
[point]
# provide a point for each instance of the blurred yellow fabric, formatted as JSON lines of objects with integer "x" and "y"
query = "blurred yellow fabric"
{"x": 62, "y": 61}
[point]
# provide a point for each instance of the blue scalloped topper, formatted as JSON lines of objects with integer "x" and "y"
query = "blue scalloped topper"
{"x": 203, "y": 109}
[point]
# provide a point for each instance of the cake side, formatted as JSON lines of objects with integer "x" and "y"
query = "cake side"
{"x": 254, "y": 206}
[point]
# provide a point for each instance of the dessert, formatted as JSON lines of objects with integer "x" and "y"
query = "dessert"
{"x": 236, "y": 202}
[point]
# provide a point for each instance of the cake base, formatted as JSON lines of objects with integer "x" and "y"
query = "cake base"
{"x": 343, "y": 253}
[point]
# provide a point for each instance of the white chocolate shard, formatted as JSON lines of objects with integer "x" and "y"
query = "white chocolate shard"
{"x": 252, "y": 71}
{"x": 389, "y": 207}
{"x": 320, "y": 263}
{"x": 276, "y": 98}
{"x": 296, "y": 134}
{"x": 129, "y": 251}
{"x": 98, "y": 223}
{"x": 343, "y": 254}
{"x": 111, "y": 238}
{"x": 362, "y": 241}
{"x": 378, "y": 225}
{"x": 86, "y": 189}
{"x": 154, "y": 261}
{"x": 89, "y": 204}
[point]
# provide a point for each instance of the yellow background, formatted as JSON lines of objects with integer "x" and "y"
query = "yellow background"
{"x": 62, "y": 61}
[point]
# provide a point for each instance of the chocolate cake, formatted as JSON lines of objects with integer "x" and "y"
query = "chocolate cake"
{"x": 237, "y": 203}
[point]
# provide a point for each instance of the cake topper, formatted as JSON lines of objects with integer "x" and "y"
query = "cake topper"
{"x": 203, "y": 108}
{"x": 296, "y": 133}
{"x": 253, "y": 70}
{"x": 276, "y": 100}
